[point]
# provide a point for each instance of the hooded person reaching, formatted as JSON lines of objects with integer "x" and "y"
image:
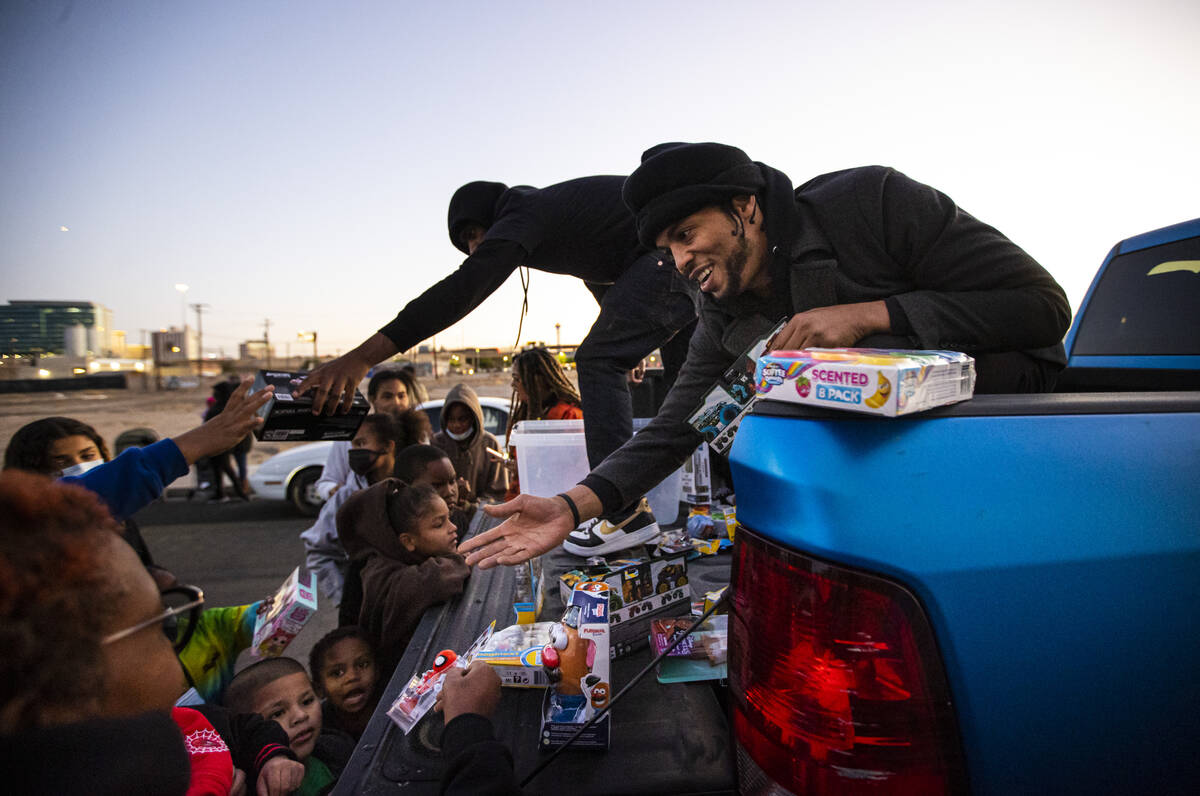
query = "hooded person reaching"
{"x": 580, "y": 228}
{"x": 861, "y": 257}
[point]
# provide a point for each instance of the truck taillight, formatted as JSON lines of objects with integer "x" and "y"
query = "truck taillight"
{"x": 837, "y": 683}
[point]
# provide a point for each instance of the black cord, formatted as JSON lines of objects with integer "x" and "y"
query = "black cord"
{"x": 523, "y": 270}
{"x": 603, "y": 712}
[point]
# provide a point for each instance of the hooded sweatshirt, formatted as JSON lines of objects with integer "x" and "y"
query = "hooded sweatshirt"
{"x": 397, "y": 585}
{"x": 486, "y": 475}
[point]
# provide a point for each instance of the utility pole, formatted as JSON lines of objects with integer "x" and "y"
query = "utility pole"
{"x": 558, "y": 338}
{"x": 267, "y": 341}
{"x": 199, "y": 308}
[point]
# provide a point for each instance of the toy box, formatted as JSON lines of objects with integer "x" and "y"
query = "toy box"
{"x": 576, "y": 661}
{"x": 516, "y": 654}
{"x": 420, "y": 693}
{"x": 639, "y": 590}
{"x": 293, "y": 604}
{"x": 287, "y": 417}
{"x": 874, "y": 380}
{"x": 702, "y": 655}
{"x": 528, "y": 595}
{"x": 727, "y": 402}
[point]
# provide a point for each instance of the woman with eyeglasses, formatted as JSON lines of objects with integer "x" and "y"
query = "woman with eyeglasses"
{"x": 89, "y": 674}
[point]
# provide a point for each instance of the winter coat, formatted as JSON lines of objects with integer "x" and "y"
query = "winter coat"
{"x": 484, "y": 472}
{"x": 397, "y": 585}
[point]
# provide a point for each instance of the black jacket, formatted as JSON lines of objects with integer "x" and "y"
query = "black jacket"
{"x": 579, "y": 228}
{"x": 866, "y": 234}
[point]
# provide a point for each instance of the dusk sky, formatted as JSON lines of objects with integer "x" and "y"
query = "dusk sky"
{"x": 293, "y": 160}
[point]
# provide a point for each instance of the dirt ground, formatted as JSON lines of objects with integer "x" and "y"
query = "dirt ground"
{"x": 171, "y": 412}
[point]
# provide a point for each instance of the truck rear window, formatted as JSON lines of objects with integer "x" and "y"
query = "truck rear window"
{"x": 1147, "y": 303}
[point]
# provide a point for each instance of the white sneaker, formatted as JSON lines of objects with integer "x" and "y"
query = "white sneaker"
{"x": 603, "y": 537}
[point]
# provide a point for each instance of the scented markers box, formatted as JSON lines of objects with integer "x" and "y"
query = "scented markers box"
{"x": 878, "y": 381}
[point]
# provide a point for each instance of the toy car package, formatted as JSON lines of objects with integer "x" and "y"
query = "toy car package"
{"x": 719, "y": 414}
{"x": 287, "y": 417}
{"x": 294, "y": 603}
{"x": 639, "y": 590}
{"x": 576, "y": 661}
{"x": 878, "y": 381}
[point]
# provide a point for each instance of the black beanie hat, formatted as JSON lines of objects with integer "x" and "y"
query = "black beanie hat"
{"x": 474, "y": 203}
{"x": 677, "y": 179}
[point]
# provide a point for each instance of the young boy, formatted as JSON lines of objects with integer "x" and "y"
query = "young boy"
{"x": 342, "y": 666}
{"x": 426, "y": 464}
{"x": 278, "y": 689}
{"x": 405, "y": 542}
{"x": 474, "y": 452}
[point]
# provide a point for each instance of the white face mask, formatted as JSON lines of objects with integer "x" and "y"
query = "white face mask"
{"x": 460, "y": 437}
{"x": 81, "y": 468}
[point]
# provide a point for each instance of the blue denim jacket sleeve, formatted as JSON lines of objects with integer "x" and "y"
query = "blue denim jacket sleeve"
{"x": 135, "y": 478}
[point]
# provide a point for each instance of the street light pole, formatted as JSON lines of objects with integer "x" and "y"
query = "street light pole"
{"x": 199, "y": 308}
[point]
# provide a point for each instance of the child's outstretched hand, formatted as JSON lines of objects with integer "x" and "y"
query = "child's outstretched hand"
{"x": 279, "y": 777}
{"x": 475, "y": 689}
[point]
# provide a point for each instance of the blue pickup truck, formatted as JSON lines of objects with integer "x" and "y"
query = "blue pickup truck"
{"x": 996, "y": 597}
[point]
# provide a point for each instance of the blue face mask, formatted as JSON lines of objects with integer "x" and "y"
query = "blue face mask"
{"x": 81, "y": 468}
{"x": 460, "y": 437}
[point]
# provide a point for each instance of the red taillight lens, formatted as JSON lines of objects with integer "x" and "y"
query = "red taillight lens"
{"x": 838, "y": 686}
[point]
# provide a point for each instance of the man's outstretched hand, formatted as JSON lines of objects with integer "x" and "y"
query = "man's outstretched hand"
{"x": 534, "y": 526}
{"x": 333, "y": 384}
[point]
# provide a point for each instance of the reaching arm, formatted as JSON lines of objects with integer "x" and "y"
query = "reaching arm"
{"x": 139, "y": 475}
{"x": 534, "y": 525}
{"x": 442, "y": 305}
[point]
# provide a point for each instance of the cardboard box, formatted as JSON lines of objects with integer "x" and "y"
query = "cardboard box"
{"x": 640, "y": 589}
{"x": 697, "y": 477}
{"x": 287, "y": 418}
{"x": 294, "y": 604}
{"x": 579, "y": 672}
{"x": 729, "y": 400}
{"x": 703, "y": 655}
{"x": 515, "y": 653}
{"x": 873, "y": 380}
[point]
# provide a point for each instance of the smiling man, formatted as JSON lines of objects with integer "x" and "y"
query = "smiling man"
{"x": 862, "y": 257}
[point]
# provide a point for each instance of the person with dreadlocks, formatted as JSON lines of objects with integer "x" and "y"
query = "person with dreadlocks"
{"x": 580, "y": 228}
{"x": 541, "y": 391}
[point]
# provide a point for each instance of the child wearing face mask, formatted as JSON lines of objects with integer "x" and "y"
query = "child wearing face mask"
{"x": 474, "y": 452}
{"x": 406, "y": 545}
{"x": 65, "y": 447}
{"x": 372, "y": 456}
{"x": 279, "y": 690}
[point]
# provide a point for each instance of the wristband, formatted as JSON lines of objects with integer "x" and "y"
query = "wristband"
{"x": 571, "y": 505}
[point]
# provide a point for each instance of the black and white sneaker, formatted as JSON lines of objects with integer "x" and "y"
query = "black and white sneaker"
{"x": 602, "y": 537}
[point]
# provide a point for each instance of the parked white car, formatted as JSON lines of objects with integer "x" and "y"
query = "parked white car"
{"x": 292, "y": 475}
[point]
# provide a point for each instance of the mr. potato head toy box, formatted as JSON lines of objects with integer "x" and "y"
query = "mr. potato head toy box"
{"x": 577, "y": 665}
{"x": 877, "y": 381}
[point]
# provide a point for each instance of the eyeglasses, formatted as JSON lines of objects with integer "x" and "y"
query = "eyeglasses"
{"x": 183, "y": 601}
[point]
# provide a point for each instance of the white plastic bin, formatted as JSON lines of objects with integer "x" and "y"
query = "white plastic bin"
{"x": 552, "y": 458}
